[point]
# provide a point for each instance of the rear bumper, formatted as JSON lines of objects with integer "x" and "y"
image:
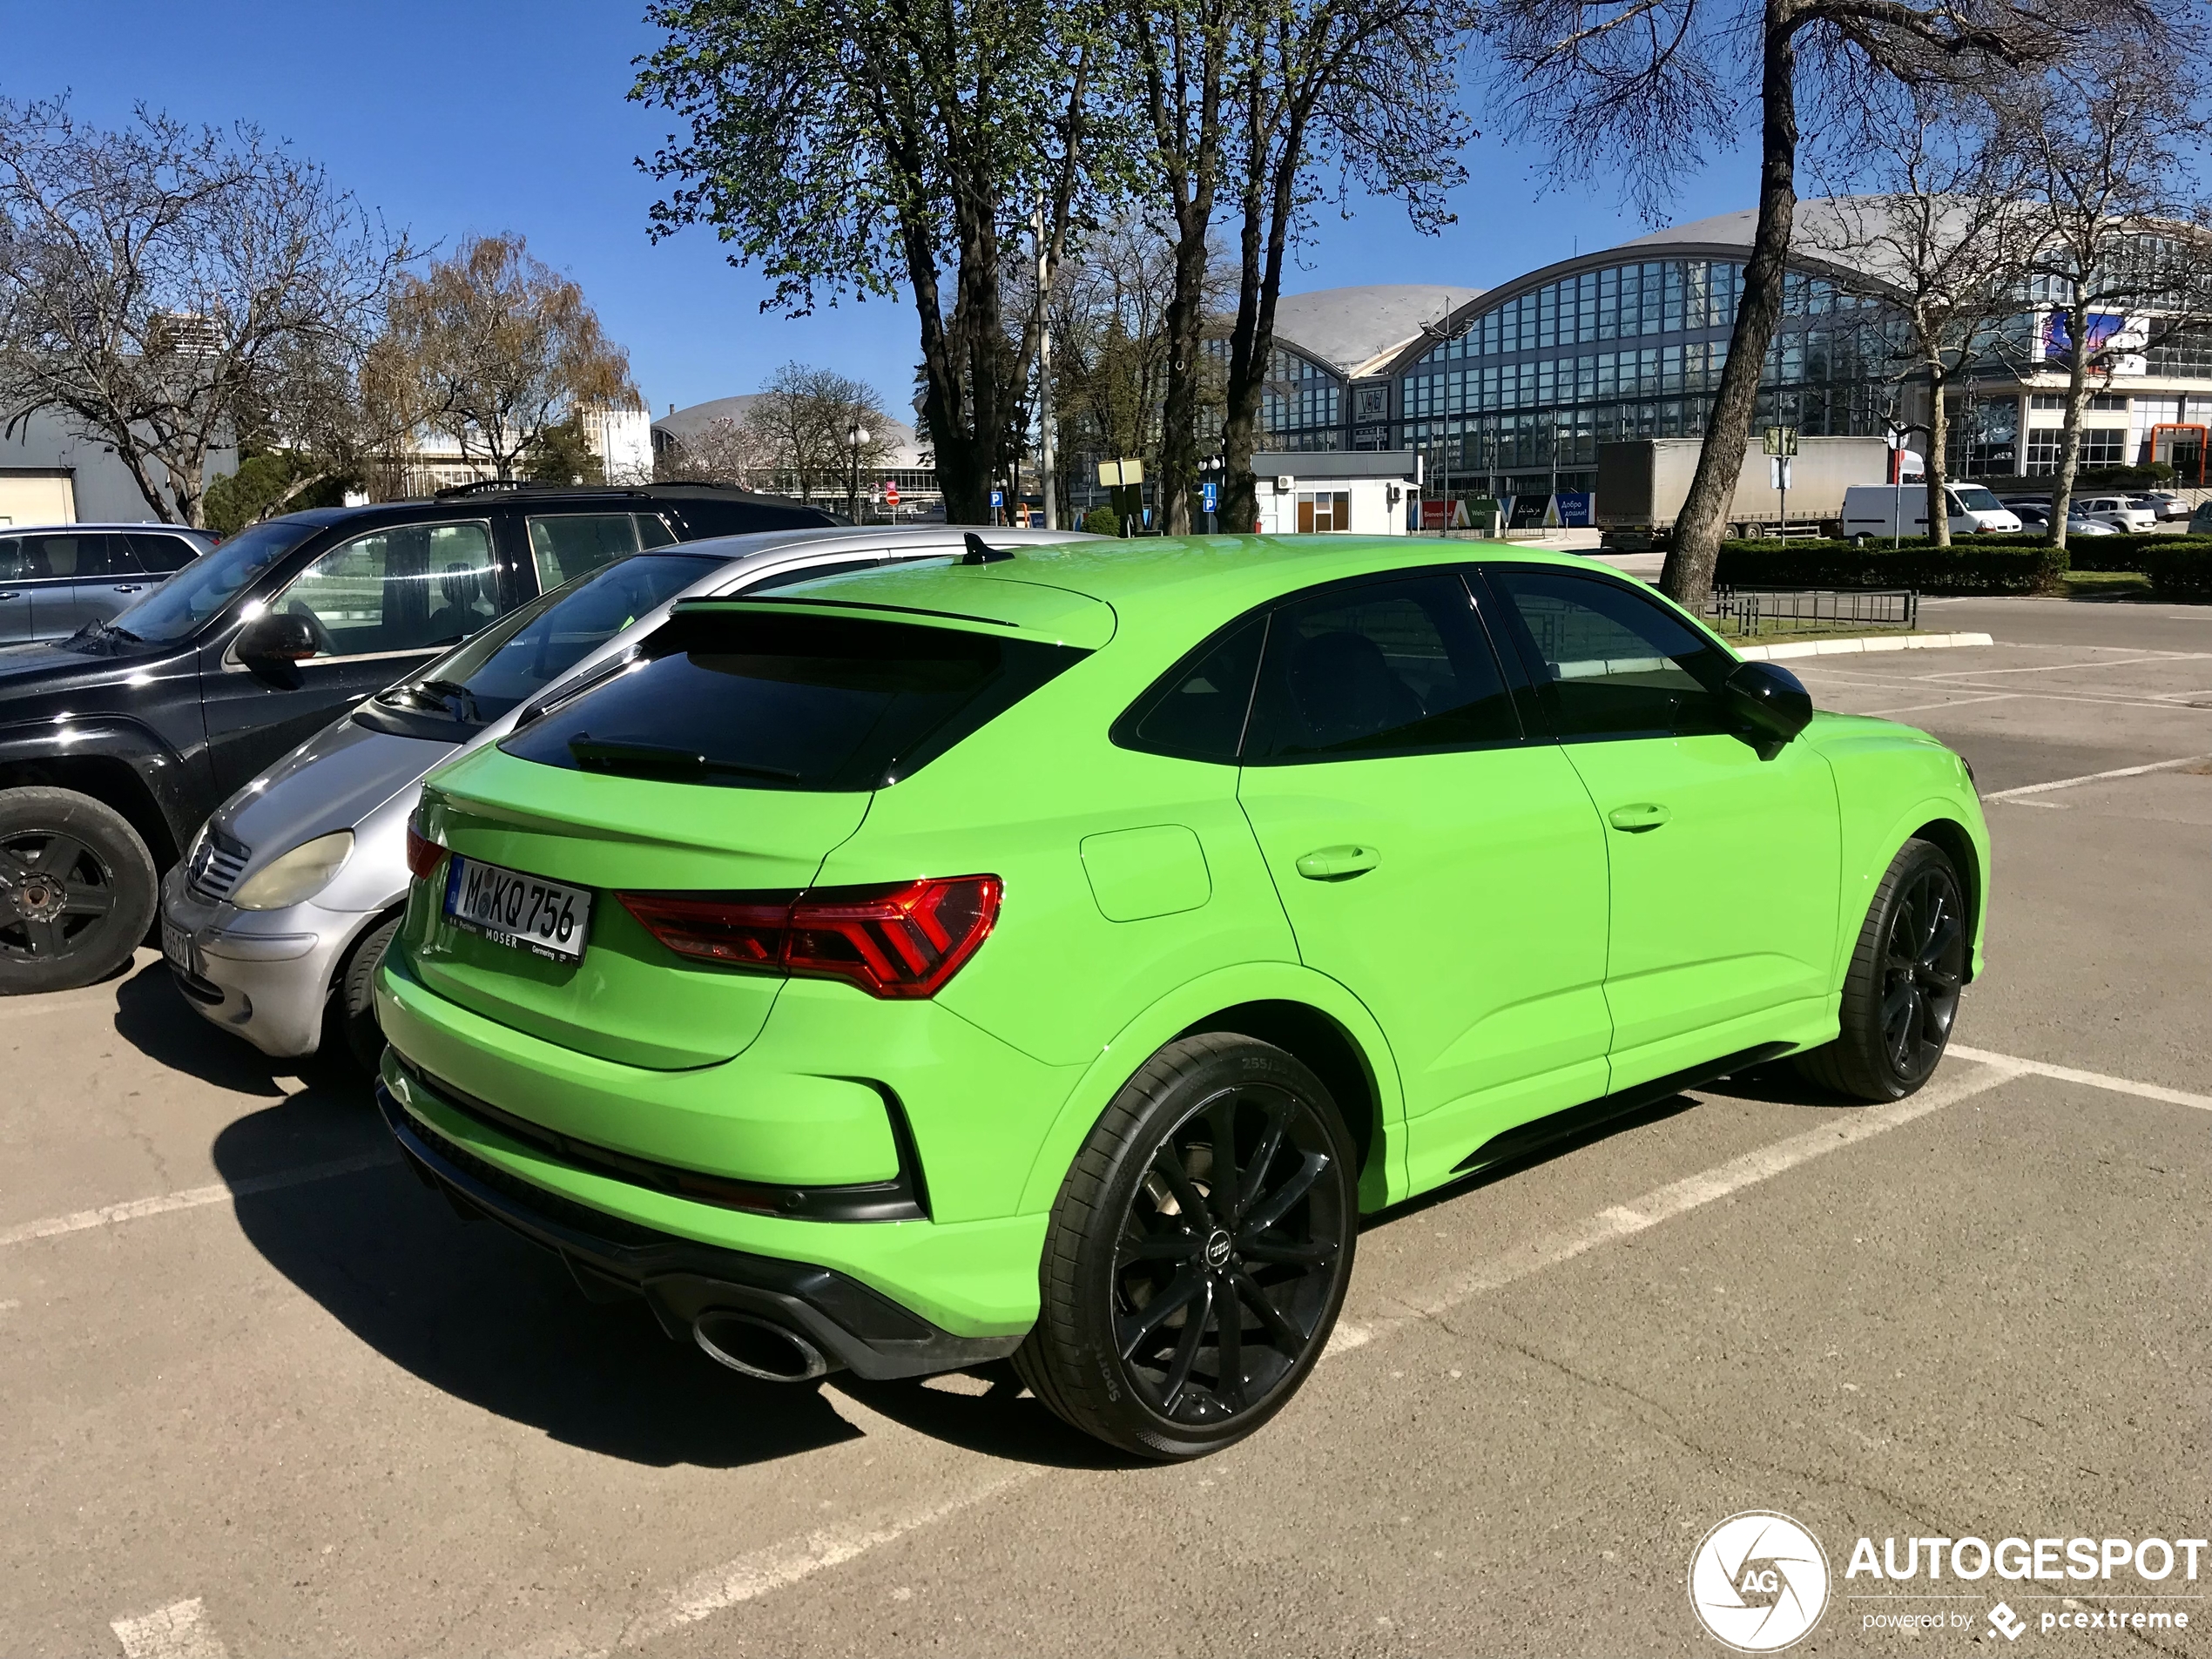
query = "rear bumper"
{"x": 681, "y": 1278}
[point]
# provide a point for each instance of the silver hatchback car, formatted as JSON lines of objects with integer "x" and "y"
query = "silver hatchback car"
{"x": 273, "y": 922}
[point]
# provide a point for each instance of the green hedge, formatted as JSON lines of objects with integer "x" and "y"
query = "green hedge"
{"x": 2181, "y": 568}
{"x": 1984, "y": 565}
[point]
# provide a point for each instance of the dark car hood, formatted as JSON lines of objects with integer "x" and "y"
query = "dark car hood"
{"x": 34, "y": 676}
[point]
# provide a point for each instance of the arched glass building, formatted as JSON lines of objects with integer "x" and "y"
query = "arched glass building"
{"x": 1509, "y": 391}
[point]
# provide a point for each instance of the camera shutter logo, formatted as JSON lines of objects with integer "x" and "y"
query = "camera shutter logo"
{"x": 1758, "y": 1581}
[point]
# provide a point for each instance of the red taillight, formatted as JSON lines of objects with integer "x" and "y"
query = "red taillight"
{"x": 422, "y": 853}
{"x": 902, "y": 942}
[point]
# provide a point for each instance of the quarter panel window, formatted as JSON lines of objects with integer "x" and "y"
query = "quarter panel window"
{"x": 1380, "y": 668}
{"x": 409, "y": 588}
{"x": 564, "y": 547}
{"x": 1198, "y": 711}
{"x": 1609, "y": 662}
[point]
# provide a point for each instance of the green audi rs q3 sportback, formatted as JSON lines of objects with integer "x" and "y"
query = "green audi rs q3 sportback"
{"x": 1054, "y": 952}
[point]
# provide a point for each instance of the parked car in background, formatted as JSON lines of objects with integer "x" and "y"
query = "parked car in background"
{"x": 2164, "y": 503}
{"x": 2201, "y": 520}
{"x": 2119, "y": 512}
{"x": 1052, "y": 954}
{"x": 275, "y": 920}
{"x": 117, "y": 742}
{"x": 1890, "y": 510}
{"x": 2036, "y": 515}
{"x": 54, "y": 578}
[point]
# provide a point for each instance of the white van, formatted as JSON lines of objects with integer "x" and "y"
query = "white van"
{"x": 1875, "y": 510}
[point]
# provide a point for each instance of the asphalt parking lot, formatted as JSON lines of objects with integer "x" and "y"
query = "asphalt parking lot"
{"x": 267, "y": 1395}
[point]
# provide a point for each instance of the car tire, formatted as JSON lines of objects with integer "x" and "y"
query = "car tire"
{"x": 353, "y": 999}
{"x": 1901, "y": 992}
{"x": 1276, "y": 1252}
{"x": 77, "y": 890}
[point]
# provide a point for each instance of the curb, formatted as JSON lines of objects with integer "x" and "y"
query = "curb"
{"x": 1851, "y": 647}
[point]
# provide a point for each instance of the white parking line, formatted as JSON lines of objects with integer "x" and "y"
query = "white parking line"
{"x": 2095, "y": 777}
{"x": 780, "y": 1565}
{"x": 2093, "y": 1079}
{"x": 1694, "y": 1192}
{"x": 1948, "y": 703}
{"x": 191, "y": 1198}
{"x": 2061, "y": 668}
{"x": 178, "y": 1631}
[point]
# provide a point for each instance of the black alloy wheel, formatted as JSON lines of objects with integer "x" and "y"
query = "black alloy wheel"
{"x": 1901, "y": 992}
{"x": 1228, "y": 1255}
{"x": 1200, "y": 1252}
{"x": 77, "y": 889}
{"x": 1924, "y": 968}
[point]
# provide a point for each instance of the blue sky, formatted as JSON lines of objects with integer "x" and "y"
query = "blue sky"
{"x": 469, "y": 116}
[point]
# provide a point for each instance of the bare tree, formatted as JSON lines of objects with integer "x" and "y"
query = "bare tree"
{"x": 159, "y": 285}
{"x": 1643, "y": 86}
{"x": 724, "y": 451}
{"x": 1366, "y": 90}
{"x": 2109, "y": 141}
{"x": 802, "y": 424}
{"x": 502, "y": 348}
{"x": 1945, "y": 241}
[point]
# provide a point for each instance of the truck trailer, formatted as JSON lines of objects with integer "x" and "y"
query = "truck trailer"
{"x": 1641, "y": 483}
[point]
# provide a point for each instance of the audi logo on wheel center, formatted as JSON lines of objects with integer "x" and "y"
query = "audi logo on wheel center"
{"x": 1758, "y": 1581}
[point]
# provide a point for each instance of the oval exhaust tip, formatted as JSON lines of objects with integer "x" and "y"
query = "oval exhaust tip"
{"x": 757, "y": 1348}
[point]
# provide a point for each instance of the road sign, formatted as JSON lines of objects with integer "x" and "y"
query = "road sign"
{"x": 1209, "y": 496}
{"x": 998, "y": 498}
{"x": 1780, "y": 441}
{"x": 1778, "y": 472}
{"x": 891, "y": 495}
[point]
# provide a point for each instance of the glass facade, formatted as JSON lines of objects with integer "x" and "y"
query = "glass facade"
{"x": 1631, "y": 351}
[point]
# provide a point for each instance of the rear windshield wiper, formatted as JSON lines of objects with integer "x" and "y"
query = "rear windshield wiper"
{"x": 605, "y": 754}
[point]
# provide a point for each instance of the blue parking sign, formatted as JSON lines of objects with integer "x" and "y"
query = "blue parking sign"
{"x": 998, "y": 498}
{"x": 1209, "y": 496}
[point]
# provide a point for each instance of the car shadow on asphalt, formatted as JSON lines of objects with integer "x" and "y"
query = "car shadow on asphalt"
{"x": 988, "y": 1409}
{"x": 493, "y": 1320}
{"x": 152, "y": 1016}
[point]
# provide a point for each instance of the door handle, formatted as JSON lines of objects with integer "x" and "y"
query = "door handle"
{"x": 12, "y": 593}
{"x": 130, "y": 588}
{"x": 1337, "y": 863}
{"x": 1644, "y": 815}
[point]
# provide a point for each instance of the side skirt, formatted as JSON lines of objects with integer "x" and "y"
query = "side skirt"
{"x": 1533, "y": 1137}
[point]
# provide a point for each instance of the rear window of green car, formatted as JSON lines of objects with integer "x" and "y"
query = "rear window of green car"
{"x": 760, "y": 700}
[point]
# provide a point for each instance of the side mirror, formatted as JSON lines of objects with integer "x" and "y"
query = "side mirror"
{"x": 274, "y": 644}
{"x": 1770, "y": 702}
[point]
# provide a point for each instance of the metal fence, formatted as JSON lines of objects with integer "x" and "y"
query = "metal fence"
{"x": 1757, "y": 610}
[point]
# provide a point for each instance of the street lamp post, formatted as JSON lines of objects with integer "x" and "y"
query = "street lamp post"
{"x": 855, "y": 436}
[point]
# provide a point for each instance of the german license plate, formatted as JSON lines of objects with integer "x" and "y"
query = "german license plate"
{"x": 526, "y": 912}
{"x": 176, "y": 946}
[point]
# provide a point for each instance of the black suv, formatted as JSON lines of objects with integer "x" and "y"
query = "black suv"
{"x": 116, "y": 743}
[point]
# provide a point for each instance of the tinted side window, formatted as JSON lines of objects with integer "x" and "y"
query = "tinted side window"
{"x": 12, "y": 559}
{"x": 1609, "y": 662}
{"x": 408, "y": 588}
{"x": 83, "y": 556}
{"x": 564, "y": 547}
{"x": 1380, "y": 668}
{"x": 161, "y": 554}
{"x": 1197, "y": 710}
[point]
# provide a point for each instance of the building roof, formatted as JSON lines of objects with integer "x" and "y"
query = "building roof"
{"x": 1859, "y": 235}
{"x": 1350, "y": 328}
{"x": 678, "y": 424}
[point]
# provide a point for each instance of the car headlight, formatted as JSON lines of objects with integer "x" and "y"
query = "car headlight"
{"x": 300, "y": 873}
